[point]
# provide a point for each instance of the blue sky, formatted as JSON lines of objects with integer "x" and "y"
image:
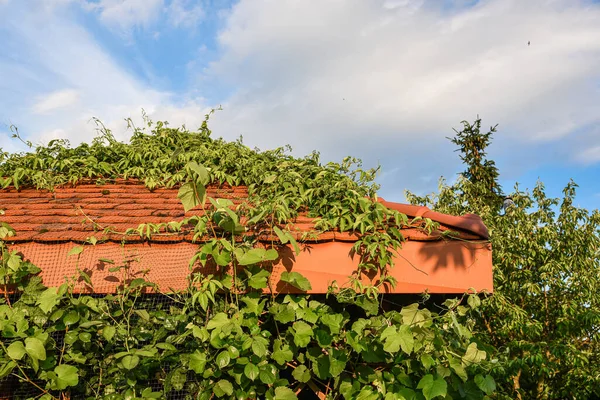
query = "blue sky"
{"x": 385, "y": 81}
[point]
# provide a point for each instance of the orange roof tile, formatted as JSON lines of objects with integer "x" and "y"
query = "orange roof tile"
{"x": 71, "y": 213}
{"x": 49, "y": 224}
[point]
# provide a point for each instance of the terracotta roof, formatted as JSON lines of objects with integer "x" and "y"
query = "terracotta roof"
{"x": 49, "y": 224}
{"x": 76, "y": 213}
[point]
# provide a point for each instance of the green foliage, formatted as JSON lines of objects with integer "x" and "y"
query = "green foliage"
{"x": 229, "y": 335}
{"x": 472, "y": 145}
{"x": 256, "y": 346}
{"x": 544, "y": 317}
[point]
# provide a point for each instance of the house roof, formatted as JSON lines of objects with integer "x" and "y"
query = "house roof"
{"x": 49, "y": 223}
{"x": 74, "y": 213}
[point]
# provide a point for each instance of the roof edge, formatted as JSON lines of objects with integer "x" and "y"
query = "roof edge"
{"x": 468, "y": 222}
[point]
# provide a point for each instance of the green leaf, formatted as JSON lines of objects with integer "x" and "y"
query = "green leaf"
{"x": 76, "y": 357}
{"x": 371, "y": 306}
{"x": 321, "y": 367}
{"x": 411, "y": 314}
{"x": 486, "y": 384}
{"x": 296, "y": 280}
{"x": 222, "y": 258}
{"x": 233, "y": 352}
{"x": 259, "y": 279}
{"x": 108, "y": 332}
{"x": 253, "y": 304}
{"x": 176, "y": 379}
{"x": 302, "y": 333}
{"x": 16, "y": 350}
{"x": 67, "y": 375}
{"x": 267, "y": 375}
{"x": 228, "y": 221}
{"x": 270, "y": 179}
{"x": 251, "y": 371}
{"x": 143, "y": 314}
{"x": 137, "y": 282}
{"x": 294, "y": 244}
{"x": 271, "y": 255}
{"x": 366, "y": 393}
{"x": 333, "y": 321}
{"x": 337, "y": 362}
{"x": 14, "y": 261}
{"x": 324, "y": 339}
{"x": 75, "y": 250}
{"x": 432, "y": 387}
{"x": 281, "y": 354}
{"x": 200, "y": 333}
{"x": 217, "y": 321}
{"x": 35, "y": 348}
{"x": 85, "y": 337}
{"x": 283, "y": 238}
{"x": 395, "y": 339}
{"x": 301, "y": 373}
{"x": 223, "y": 388}
{"x": 459, "y": 369}
{"x": 201, "y": 172}
{"x": 71, "y": 318}
{"x": 89, "y": 324}
{"x": 473, "y": 355}
{"x": 166, "y": 346}
{"x": 191, "y": 195}
{"x": 223, "y": 359}
{"x": 48, "y": 299}
{"x": 197, "y": 362}
{"x": 145, "y": 353}
{"x": 149, "y": 394}
{"x": 474, "y": 301}
{"x": 283, "y": 313}
{"x": 284, "y": 393}
{"x": 6, "y": 368}
{"x": 255, "y": 256}
{"x": 130, "y": 361}
{"x": 259, "y": 346}
{"x": 427, "y": 361}
{"x": 407, "y": 394}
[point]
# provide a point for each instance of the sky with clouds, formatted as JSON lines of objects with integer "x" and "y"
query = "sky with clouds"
{"x": 382, "y": 80}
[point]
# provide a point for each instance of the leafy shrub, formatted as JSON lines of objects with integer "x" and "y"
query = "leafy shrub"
{"x": 227, "y": 335}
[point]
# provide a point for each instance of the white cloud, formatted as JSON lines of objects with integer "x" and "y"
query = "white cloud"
{"x": 590, "y": 155}
{"x": 184, "y": 14}
{"x": 389, "y": 82}
{"x": 60, "y": 55}
{"x": 55, "y": 100}
{"x": 125, "y": 15}
{"x": 382, "y": 80}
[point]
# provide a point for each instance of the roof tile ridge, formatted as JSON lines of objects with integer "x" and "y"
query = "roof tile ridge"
{"x": 468, "y": 222}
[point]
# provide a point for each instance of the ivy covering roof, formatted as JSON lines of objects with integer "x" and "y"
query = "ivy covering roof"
{"x": 181, "y": 188}
{"x": 108, "y": 211}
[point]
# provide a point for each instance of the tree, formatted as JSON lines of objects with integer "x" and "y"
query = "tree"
{"x": 544, "y": 316}
{"x": 472, "y": 146}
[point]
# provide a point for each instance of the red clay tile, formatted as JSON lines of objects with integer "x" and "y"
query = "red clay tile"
{"x": 72, "y": 214}
{"x": 346, "y": 236}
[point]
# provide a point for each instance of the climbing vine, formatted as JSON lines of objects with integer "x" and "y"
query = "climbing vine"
{"x": 229, "y": 335}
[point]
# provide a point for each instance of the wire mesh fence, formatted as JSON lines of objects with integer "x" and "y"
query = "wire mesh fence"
{"x": 164, "y": 376}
